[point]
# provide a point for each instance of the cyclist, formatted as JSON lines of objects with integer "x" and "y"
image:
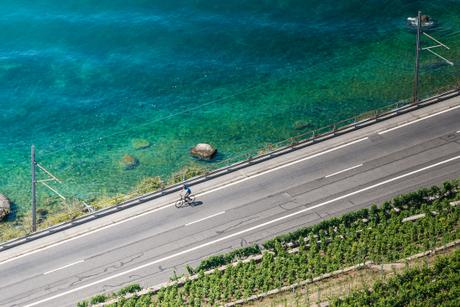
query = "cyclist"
{"x": 188, "y": 192}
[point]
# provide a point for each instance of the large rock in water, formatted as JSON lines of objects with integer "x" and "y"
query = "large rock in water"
{"x": 203, "y": 151}
{"x": 129, "y": 162}
{"x": 5, "y": 206}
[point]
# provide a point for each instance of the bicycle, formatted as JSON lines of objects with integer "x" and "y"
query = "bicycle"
{"x": 183, "y": 202}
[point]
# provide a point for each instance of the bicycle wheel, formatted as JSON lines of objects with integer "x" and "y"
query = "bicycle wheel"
{"x": 179, "y": 203}
{"x": 190, "y": 200}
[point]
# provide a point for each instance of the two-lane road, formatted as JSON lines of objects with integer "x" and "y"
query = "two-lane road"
{"x": 147, "y": 248}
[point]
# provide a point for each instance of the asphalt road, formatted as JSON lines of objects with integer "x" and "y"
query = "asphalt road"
{"x": 147, "y": 248}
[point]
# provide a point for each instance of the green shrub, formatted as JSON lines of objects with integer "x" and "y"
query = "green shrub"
{"x": 435, "y": 286}
{"x": 83, "y": 304}
{"x": 219, "y": 260}
{"x": 190, "y": 270}
{"x": 9, "y": 230}
{"x": 187, "y": 172}
{"x": 149, "y": 184}
{"x": 129, "y": 289}
{"x": 100, "y": 298}
{"x": 145, "y": 300}
{"x": 108, "y": 201}
{"x": 132, "y": 302}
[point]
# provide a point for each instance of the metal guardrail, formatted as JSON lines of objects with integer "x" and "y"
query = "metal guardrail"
{"x": 250, "y": 158}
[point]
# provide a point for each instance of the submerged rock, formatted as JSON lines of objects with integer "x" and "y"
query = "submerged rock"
{"x": 203, "y": 151}
{"x": 302, "y": 124}
{"x": 140, "y": 144}
{"x": 5, "y": 206}
{"x": 129, "y": 162}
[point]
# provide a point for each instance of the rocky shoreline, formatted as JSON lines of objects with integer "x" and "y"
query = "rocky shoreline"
{"x": 5, "y": 206}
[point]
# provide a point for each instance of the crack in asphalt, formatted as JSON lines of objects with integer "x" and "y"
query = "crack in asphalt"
{"x": 82, "y": 278}
{"x": 287, "y": 209}
{"x": 377, "y": 162}
{"x": 114, "y": 266}
{"x": 292, "y": 200}
{"x": 123, "y": 263}
{"x": 219, "y": 232}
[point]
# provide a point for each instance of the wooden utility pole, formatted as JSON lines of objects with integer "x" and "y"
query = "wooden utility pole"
{"x": 34, "y": 199}
{"x": 417, "y": 57}
{"x": 51, "y": 178}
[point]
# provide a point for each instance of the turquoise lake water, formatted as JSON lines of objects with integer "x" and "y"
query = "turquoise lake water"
{"x": 82, "y": 79}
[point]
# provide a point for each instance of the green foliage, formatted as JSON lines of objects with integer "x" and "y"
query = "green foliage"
{"x": 9, "y": 230}
{"x": 149, "y": 184}
{"x": 412, "y": 201}
{"x": 219, "y": 260}
{"x": 435, "y": 286}
{"x": 83, "y": 304}
{"x": 144, "y": 300}
{"x": 187, "y": 172}
{"x": 175, "y": 276}
{"x": 100, "y": 298}
{"x": 129, "y": 289}
{"x": 107, "y": 201}
{"x": 132, "y": 302}
{"x": 51, "y": 213}
{"x": 190, "y": 270}
{"x": 376, "y": 234}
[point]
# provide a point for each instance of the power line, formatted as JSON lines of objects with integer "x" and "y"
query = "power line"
{"x": 153, "y": 121}
{"x": 44, "y": 182}
{"x": 418, "y": 50}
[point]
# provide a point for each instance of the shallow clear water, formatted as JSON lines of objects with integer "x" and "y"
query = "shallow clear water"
{"x": 82, "y": 79}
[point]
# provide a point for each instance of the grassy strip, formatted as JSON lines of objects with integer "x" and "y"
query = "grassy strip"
{"x": 438, "y": 285}
{"x": 54, "y": 210}
{"x": 377, "y": 234}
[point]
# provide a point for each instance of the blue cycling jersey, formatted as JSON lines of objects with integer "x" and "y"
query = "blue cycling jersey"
{"x": 187, "y": 190}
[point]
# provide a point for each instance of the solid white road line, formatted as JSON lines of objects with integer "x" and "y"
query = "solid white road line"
{"x": 418, "y": 120}
{"x": 458, "y": 131}
{"x": 205, "y": 218}
{"x": 63, "y": 267}
{"x": 116, "y": 223}
{"x": 343, "y": 171}
{"x": 241, "y": 232}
